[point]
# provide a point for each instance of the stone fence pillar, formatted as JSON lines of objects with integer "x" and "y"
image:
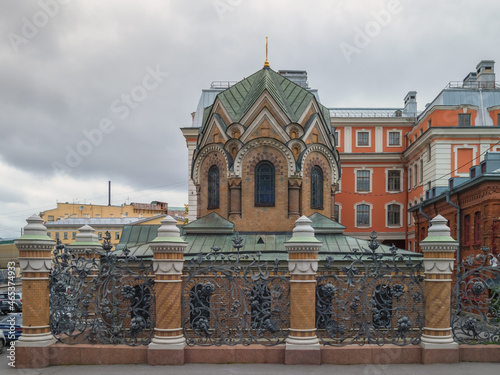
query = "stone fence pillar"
{"x": 167, "y": 347}
{"x": 439, "y": 250}
{"x": 302, "y": 345}
{"x": 35, "y": 253}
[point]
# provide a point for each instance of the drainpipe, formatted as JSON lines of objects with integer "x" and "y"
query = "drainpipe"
{"x": 459, "y": 259}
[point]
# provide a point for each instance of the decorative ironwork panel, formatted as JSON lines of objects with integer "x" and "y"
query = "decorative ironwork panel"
{"x": 98, "y": 298}
{"x": 231, "y": 299}
{"x": 475, "y": 315}
{"x": 370, "y": 298}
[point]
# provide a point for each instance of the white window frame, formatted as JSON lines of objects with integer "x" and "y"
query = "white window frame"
{"x": 401, "y": 178}
{"x": 400, "y": 137}
{"x": 356, "y": 180}
{"x": 369, "y": 215}
{"x": 340, "y": 211}
{"x": 336, "y": 138}
{"x": 409, "y": 181}
{"x": 369, "y": 137}
{"x": 409, "y": 215}
{"x": 421, "y": 172}
{"x": 386, "y": 206}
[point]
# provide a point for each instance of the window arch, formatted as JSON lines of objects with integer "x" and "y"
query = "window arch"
{"x": 316, "y": 187}
{"x": 213, "y": 187}
{"x": 264, "y": 184}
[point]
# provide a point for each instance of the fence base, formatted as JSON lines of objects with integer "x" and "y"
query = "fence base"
{"x": 86, "y": 354}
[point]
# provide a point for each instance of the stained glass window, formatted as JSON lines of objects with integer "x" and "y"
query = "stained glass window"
{"x": 213, "y": 187}
{"x": 316, "y": 187}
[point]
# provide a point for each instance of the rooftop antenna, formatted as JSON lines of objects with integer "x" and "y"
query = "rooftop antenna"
{"x": 266, "y": 63}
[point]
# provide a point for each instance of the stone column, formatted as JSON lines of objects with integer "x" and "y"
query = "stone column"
{"x": 35, "y": 253}
{"x": 302, "y": 345}
{"x": 293, "y": 197}
{"x": 332, "y": 201}
{"x": 439, "y": 250}
{"x": 235, "y": 197}
{"x": 167, "y": 347}
{"x": 198, "y": 201}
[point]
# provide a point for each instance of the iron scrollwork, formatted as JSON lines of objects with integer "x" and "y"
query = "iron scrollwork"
{"x": 370, "y": 298}
{"x": 475, "y": 316}
{"x": 231, "y": 299}
{"x": 97, "y": 297}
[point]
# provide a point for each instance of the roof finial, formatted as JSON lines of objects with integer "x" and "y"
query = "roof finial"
{"x": 266, "y": 63}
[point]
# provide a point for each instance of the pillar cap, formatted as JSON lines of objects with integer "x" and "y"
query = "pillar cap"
{"x": 35, "y": 230}
{"x": 303, "y": 231}
{"x": 439, "y": 231}
{"x": 168, "y": 232}
{"x": 86, "y": 237}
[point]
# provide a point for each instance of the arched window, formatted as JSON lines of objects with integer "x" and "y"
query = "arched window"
{"x": 316, "y": 187}
{"x": 213, "y": 187}
{"x": 264, "y": 184}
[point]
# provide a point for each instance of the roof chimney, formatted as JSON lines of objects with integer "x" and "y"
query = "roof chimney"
{"x": 296, "y": 76}
{"x": 470, "y": 80}
{"x": 486, "y": 74}
{"x": 410, "y": 108}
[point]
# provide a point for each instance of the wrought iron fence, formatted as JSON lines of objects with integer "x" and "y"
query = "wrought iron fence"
{"x": 370, "y": 297}
{"x": 231, "y": 299}
{"x": 100, "y": 298}
{"x": 475, "y": 316}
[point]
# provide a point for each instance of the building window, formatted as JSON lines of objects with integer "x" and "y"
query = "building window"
{"x": 336, "y": 213}
{"x": 336, "y": 137}
{"x": 264, "y": 184}
{"x": 363, "y": 180}
{"x": 467, "y": 230}
{"x": 464, "y": 119}
{"x": 477, "y": 227}
{"x": 316, "y": 187}
{"x": 429, "y": 124}
{"x": 394, "y": 181}
{"x": 498, "y": 119}
{"x": 415, "y": 174}
{"x": 99, "y": 236}
{"x": 117, "y": 235}
{"x": 421, "y": 176}
{"x": 429, "y": 156}
{"x": 409, "y": 178}
{"x": 57, "y": 235}
{"x": 73, "y": 235}
{"x": 213, "y": 187}
{"x": 421, "y": 132}
{"x": 65, "y": 235}
{"x": 393, "y": 214}
{"x": 50, "y": 218}
{"x": 363, "y": 215}
{"x": 394, "y": 139}
{"x": 363, "y": 139}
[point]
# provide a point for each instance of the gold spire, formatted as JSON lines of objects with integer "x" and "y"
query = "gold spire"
{"x": 266, "y": 63}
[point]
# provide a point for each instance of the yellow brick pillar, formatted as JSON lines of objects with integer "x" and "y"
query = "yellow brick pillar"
{"x": 167, "y": 346}
{"x": 439, "y": 250}
{"x": 302, "y": 345}
{"x": 35, "y": 252}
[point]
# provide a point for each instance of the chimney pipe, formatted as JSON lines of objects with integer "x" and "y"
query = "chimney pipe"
{"x": 109, "y": 193}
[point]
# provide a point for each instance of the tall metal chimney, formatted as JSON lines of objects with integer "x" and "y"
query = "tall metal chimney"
{"x": 109, "y": 193}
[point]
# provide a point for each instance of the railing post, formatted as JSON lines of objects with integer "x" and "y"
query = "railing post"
{"x": 35, "y": 252}
{"x": 302, "y": 345}
{"x": 439, "y": 250}
{"x": 167, "y": 347}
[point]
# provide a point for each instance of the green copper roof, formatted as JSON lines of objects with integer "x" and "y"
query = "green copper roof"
{"x": 211, "y": 223}
{"x": 322, "y": 224}
{"x": 292, "y": 98}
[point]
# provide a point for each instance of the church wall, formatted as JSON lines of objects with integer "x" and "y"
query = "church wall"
{"x": 270, "y": 219}
{"x": 316, "y": 158}
{"x": 214, "y": 158}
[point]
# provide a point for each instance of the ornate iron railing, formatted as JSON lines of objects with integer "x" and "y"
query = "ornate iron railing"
{"x": 370, "y": 297}
{"x": 231, "y": 299}
{"x": 475, "y": 317}
{"x": 97, "y": 297}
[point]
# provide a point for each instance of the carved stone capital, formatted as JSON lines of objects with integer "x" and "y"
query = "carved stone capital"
{"x": 35, "y": 264}
{"x": 167, "y": 267}
{"x": 303, "y": 266}
{"x": 438, "y": 265}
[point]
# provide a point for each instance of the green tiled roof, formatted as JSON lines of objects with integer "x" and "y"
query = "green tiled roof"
{"x": 211, "y": 223}
{"x": 322, "y": 224}
{"x": 292, "y": 98}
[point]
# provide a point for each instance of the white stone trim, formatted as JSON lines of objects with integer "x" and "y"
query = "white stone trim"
{"x": 379, "y": 139}
{"x": 386, "y": 207}
{"x": 303, "y": 267}
{"x": 369, "y": 137}
{"x": 167, "y": 266}
{"x": 401, "y": 178}
{"x": 394, "y": 130}
{"x": 213, "y": 147}
{"x": 356, "y": 180}
{"x": 326, "y": 153}
{"x": 347, "y": 139}
{"x": 356, "y": 214}
{"x": 455, "y": 153}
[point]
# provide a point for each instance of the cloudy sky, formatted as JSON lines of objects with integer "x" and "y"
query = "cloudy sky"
{"x": 93, "y": 90}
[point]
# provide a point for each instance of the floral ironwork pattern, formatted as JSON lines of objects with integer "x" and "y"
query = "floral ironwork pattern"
{"x": 475, "y": 316}
{"x": 231, "y": 299}
{"x": 98, "y": 298}
{"x": 370, "y": 297}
